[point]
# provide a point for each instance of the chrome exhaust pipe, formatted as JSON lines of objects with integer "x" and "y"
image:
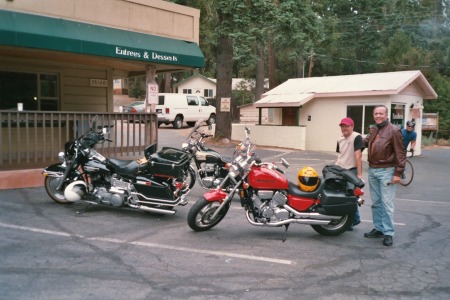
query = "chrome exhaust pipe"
{"x": 153, "y": 209}
{"x": 311, "y": 215}
{"x": 289, "y": 221}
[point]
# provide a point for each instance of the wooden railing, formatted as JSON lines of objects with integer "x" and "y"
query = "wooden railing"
{"x": 33, "y": 139}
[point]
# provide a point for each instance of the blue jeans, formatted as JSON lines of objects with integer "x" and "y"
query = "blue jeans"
{"x": 357, "y": 218}
{"x": 382, "y": 192}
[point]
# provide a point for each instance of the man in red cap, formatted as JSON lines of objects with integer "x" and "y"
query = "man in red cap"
{"x": 350, "y": 146}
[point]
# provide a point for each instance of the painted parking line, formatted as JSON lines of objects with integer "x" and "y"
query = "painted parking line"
{"x": 370, "y": 221}
{"x": 424, "y": 201}
{"x": 152, "y": 245}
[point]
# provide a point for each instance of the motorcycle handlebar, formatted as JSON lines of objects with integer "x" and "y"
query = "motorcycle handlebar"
{"x": 278, "y": 169}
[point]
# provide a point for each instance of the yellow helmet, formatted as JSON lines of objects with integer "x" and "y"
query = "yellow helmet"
{"x": 308, "y": 179}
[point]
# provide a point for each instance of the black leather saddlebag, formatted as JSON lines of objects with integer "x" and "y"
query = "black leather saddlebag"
{"x": 168, "y": 162}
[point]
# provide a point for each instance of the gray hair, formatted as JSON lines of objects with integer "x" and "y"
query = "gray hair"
{"x": 385, "y": 107}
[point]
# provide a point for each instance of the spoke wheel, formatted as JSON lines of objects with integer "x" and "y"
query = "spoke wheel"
{"x": 335, "y": 227}
{"x": 408, "y": 174}
{"x": 191, "y": 177}
{"x": 51, "y": 183}
{"x": 199, "y": 216}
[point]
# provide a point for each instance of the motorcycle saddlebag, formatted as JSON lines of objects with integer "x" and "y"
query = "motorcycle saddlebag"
{"x": 168, "y": 162}
{"x": 334, "y": 198}
{"x": 151, "y": 188}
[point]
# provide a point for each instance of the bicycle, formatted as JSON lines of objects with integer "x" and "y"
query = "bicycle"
{"x": 408, "y": 174}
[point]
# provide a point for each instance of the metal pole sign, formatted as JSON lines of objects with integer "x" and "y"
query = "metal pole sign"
{"x": 152, "y": 93}
{"x": 225, "y": 104}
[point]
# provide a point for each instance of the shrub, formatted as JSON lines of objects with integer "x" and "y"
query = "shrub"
{"x": 443, "y": 142}
{"x": 428, "y": 141}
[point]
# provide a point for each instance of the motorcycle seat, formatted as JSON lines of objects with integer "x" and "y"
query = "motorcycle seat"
{"x": 119, "y": 162}
{"x": 295, "y": 190}
{"x": 125, "y": 167}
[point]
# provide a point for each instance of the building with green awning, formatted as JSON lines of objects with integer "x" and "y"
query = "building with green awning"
{"x": 64, "y": 56}
{"x": 40, "y": 32}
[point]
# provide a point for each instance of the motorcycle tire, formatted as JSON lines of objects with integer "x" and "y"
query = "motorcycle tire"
{"x": 200, "y": 213}
{"x": 335, "y": 228}
{"x": 192, "y": 177}
{"x": 51, "y": 183}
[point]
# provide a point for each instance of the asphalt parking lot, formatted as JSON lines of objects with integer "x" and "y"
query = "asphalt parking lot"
{"x": 49, "y": 251}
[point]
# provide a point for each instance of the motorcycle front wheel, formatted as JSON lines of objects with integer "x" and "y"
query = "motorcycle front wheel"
{"x": 51, "y": 183}
{"x": 335, "y": 227}
{"x": 199, "y": 216}
{"x": 191, "y": 177}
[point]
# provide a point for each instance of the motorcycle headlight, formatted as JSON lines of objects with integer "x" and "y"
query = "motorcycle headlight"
{"x": 61, "y": 156}
{"x": 234, "y": 171}
{"x": 184, "y": 145}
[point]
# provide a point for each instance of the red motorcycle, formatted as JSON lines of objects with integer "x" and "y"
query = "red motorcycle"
{"x": 326, "y": 203}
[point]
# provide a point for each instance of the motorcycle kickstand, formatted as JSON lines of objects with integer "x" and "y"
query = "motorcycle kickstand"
{"x": 285, "y": 232}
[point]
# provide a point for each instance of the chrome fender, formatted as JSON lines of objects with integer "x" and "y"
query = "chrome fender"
{"x": 55, "y": 170}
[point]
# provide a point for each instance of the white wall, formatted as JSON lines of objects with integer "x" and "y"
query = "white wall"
{"x": 275, "y": 136}
{"x": 197, "y": 85}
{"x": 326, "y": 113}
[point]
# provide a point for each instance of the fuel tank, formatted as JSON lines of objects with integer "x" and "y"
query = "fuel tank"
{"x": 95, "y": 167}
{"x": 264, "y": 178}
{"x": 209, "y": 156}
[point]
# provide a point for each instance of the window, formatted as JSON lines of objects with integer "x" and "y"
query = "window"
{"x": 187, "y": 91}
{"x": 161, "y": 100}
{"x": 35, "y": 91}
{"x": 48, "y": 99}
{"x": 208, "y": 93}
{"x": 362, "y": 115}
{"x": 203, "y": 101}
{"x": 192, "y": 100}
{"x": 398, "y": 115}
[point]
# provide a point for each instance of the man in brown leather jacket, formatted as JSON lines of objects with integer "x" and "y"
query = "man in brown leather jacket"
{"x": 386, "y": 164}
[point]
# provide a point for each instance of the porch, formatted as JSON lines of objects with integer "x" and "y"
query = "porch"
{"x": 31, "y": 140}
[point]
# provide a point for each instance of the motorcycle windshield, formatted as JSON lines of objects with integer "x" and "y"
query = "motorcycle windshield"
{"x": 195, "y": 128}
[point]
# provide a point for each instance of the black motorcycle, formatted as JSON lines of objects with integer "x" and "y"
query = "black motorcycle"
{"x": 212, "y": 168}
{"x": 156, "y": 183}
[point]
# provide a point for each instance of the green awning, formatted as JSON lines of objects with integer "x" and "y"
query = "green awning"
{"x": 39, "y": 32}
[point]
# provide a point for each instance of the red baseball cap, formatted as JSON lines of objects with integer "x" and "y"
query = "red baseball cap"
{"x": 347, "y": 121}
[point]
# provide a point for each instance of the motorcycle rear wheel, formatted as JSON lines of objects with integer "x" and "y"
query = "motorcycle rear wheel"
{"x": 51, "y": 183}
{"x": 335, "y": 228}
{"x": 200, "y": 213}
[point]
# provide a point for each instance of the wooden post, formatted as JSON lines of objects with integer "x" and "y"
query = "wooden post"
{"x": 149, "y": 78}
{"x": 151, "y": 128}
